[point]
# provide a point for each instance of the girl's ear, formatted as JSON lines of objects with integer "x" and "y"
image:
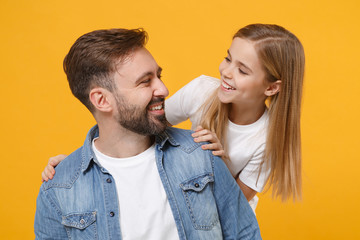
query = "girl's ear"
{"x": 273, "y": 88}
{"x": 101, "y": 99}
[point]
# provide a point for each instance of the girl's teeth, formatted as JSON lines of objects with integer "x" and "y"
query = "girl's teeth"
{"x": 227, "y": 86}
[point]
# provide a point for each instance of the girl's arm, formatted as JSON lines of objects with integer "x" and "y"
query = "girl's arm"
{"x": 248, "y": 192}
{"x": 49, "y": 170}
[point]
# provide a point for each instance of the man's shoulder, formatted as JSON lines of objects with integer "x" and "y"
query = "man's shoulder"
{"x": 187, "y": 156}
{"x": 182, "y": 138}
{"x": 67, "y": 172}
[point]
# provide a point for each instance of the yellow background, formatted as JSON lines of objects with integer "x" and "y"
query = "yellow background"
{"x": 40, "y": 118}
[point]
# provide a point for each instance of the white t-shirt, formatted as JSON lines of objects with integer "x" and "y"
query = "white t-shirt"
{"x": 246, "y": 142}
{"x": 145, "y": 211}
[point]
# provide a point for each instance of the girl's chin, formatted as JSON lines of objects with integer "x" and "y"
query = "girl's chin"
{"x": 223, "y": 99}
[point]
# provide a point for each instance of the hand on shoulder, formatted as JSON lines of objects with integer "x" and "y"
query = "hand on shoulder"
{"x": 205, "y": 135}
{"x": 49, "y": 170}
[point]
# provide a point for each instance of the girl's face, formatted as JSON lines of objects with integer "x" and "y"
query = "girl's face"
{"x": 242, "y": 76}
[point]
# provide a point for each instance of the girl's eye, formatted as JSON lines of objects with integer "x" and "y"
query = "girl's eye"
{"x": 242, "y": 72}
{"x": 227, "y": 59}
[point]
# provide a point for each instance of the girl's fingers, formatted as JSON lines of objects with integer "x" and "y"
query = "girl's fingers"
{"x": 212, "y": 146}
{"x": 200, "y": 131}
{"x": 44, "y": 177}
{"x": 205, "y": 138}
{"x": 219, "y": 153}
{"x": 49, "y": 172}
{"x": 54, "y": 161}
{"x": 198, "y": 128}
{"x": 216, "y": 148}
{"x": 205, "y": 135}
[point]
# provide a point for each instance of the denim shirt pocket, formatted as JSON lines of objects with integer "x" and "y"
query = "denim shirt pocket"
{"x": 200, "y": 201}
{"x": 80, "y": 225}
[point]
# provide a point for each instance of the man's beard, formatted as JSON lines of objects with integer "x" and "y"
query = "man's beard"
{"x": 138, "y": 120}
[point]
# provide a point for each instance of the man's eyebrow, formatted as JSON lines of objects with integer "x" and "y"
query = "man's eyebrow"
{"x": 159, "y": 70}
{"x": 147, "y": 74}
{"x": 144, "y": 75}
{"x": 240, "y": 63}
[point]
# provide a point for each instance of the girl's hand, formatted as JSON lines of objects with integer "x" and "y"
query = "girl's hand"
{"x": 205, "y": 135}
{"x": 49, "y": 170}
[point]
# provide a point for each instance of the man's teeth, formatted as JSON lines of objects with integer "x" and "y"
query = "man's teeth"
{"x": 227, "y": 86}
{"x": 158, "y": 107}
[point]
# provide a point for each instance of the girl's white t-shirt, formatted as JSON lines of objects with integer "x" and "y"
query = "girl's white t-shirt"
{"x": 246, "y": 142}
{"x": 145, "y": 211}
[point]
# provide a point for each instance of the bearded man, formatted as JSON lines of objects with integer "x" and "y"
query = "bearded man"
{"x": 134, "y": 177}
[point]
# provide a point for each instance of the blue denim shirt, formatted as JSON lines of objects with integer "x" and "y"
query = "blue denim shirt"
{"x": 81, "y": 201}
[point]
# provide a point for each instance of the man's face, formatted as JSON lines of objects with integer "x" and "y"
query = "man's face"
{"x": 140, "y": 94}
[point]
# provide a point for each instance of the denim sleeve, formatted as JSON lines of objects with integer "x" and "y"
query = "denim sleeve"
{"x": 48, "y": 219}
{"x": 237, "y": 219}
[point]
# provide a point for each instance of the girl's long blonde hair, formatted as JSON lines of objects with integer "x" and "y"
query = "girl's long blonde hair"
{"x": 282, "y": 57}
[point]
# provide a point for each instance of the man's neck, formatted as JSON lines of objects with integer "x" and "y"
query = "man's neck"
{"x": 115, "y": 141}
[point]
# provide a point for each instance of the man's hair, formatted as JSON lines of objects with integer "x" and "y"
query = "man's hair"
{"x": 94, "y": 57}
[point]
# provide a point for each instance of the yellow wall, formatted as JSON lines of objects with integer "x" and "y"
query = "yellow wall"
{"x": 40, "y": 118}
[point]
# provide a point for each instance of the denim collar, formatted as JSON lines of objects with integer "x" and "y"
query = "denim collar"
{"x": 164, "y": 137}
{"x": 88, "y": 154}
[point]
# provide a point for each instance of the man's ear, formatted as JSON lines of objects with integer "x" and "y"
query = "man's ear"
{"x": 101, "y": 99}
{"x": 273, "y": 88}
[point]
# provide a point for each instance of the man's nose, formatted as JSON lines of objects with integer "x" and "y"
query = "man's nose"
{"x": 160, "y": 89}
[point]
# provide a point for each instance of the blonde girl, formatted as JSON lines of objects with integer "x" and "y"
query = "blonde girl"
{"x": 254, "y": 110}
